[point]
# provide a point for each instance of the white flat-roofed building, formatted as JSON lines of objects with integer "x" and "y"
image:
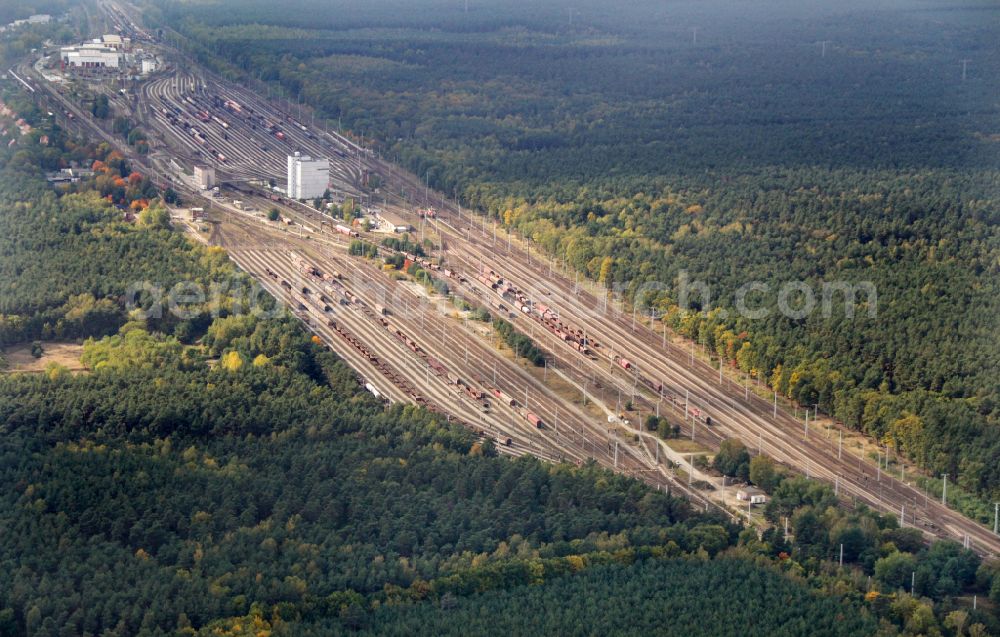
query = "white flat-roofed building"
{"x": 91, "y": 56}
{"x": 307, "y": 177}
{"x": 753, "y": 495}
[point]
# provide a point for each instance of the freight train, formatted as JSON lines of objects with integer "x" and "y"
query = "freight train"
{"x": 577, "y": 338}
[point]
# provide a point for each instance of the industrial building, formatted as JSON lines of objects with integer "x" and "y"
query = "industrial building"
{"x": 105, "y": 52}
{"x": 204, "y": 176}
{"x": 307, "y": 177}
{"x": 91, "y": 55}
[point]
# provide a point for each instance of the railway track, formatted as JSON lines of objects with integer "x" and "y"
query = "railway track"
{"x": 740, "y": 414}
{"x": 569, "y": 434}
{"x": 354, "y": 326}
{"x": 735, "y": 413}
{"x": 235, "y": 130}
{"x": 375, "y": 333}
{"x": 855, "y": 482}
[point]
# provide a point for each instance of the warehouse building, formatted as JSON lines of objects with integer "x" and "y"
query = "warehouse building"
{"x": 307, "y": 177}
{"x": 105, "y": 52}
{"x": 91, "y": 56}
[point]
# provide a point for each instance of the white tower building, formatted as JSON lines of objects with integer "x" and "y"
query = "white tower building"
{"x": 307, "y": 177}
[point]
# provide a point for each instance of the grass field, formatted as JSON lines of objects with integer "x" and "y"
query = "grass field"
{"x": 684, "y": 445}
{"x": 19, "y": 358}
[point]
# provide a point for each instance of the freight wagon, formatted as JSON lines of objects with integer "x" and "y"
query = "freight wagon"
{"x": 507, "y": 400}
{"x": 346, "y": 231}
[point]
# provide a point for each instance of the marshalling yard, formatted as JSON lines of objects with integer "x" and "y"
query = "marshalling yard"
{"x": 411, "y": 345}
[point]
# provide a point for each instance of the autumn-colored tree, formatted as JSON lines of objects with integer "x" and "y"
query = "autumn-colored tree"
{"x": 605, "y": 273}
{"x": 232, "y": 361}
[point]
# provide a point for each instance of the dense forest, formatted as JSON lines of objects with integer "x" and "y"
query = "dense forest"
{"x": 698, "y": 597}
{"x": 780, "y": 142}
{"x": 225, "y": 474}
